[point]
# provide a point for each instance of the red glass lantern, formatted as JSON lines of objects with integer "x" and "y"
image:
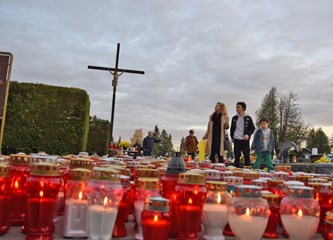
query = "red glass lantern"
{"x": 104, "y": 195}
{"x": 43, "y": 186}
{"x": 324, "y": 196}
{"x": 275, "y": 186}
{"x": 145, "y": 188}
{"x": 119, "y": 229}
{"x": 274, "y": 216}
{"x": 156, "y": 219}
{"x": 190, "y": 198}
{"x": 327, "y": 231}
{"x": 19, "y": 171}
{"x": 76, "y": 204}
{"x": 169, "y": 182}
{"x": 5, "y": 198}
{"x": 300, "y": 213}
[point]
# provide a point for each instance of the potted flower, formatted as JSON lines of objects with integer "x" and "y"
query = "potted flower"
{"x": 292, "y": 154}
{"x": 124, "y": 145}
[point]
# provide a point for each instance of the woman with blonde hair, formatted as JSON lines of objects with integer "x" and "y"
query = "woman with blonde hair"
{"x": 218, "y": 122}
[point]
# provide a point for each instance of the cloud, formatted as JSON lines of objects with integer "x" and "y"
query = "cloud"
{"x": 193, "y": 55}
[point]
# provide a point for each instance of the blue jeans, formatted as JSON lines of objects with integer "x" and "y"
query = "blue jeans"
{"x": 148, "y": 152}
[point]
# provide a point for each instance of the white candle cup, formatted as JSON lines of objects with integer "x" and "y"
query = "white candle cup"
{"x": 247, "y": 227}
{"x": 214, "y": 219}
{"x": 300, "y": 228}
{"x": 60, "y": 200}
{"x": 76, "y": 218}
{"x": 138, "y": 208}
{"x": 101, "y": 222}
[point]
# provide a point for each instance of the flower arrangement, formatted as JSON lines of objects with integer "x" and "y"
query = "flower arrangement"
{"x": 124, "y": 145}
{"x": 292, "y": 153}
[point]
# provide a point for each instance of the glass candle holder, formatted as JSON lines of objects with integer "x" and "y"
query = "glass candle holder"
{"x": 42, "y": 186}
{"x": 19, "y": 171}
{"x": 274, "y": 216}
{"x": 248, "y": 213}
{"x": 215, "y": 215}
{"x": 274, "y": 186}
{"x": 299, "y": 213}
{"x": 190, "y": 198}
{"x": 280, "y": 176}
{"x": 119, "y": 229}
{"x": 219, "y": 166}
{"x": 76, "y": 204}
{"x": 323, "y": 194}
{"x": 64, "y": 165}
{"x": 327, "y": 231}
{"x": 145, "y": 188}
{"x": 226, "y": 174}
{"x": 175, "y": 166}
{"x": 212, "y": 174}
{"x": 5, "y": 198}
{"x": 156, "y": 219}
{"x": 260, "y": 183}
{"x": 104, "y": 195}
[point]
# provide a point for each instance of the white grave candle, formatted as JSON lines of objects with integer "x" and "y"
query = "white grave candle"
{"x": 138, "y": 208}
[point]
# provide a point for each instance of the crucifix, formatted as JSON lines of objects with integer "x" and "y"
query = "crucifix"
{"x": 115, "y": 72}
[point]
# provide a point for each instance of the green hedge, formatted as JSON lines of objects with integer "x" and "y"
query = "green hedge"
{"x": 99, "y": 136}
{"x": 46, "y": 118}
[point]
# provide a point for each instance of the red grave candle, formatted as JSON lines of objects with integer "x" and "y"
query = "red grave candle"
{"x": 274, "y": 216}
{"x": 43, "y": 186}
{"x": 156, "y": 219}
{"x": 19, "y": 171}
{"x": 190, "y": 198}
{"x": 5, "y": 198}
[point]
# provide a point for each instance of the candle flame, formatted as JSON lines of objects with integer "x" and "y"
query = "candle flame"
{"x": 105, "y": 201}
{"x": 299, "y": 213}
{"x": 195, "y": 192}
{"x": 80, "y": 195}
{"x": 247, "y": 212}
{"x": 317, "y": 196}
{"x": 219, "y": 198}
{"x": 330, "y": 201}
{"x": 190, "y": 201}
{"x": 41, "y": 184}
{"x": 155, "y": 218}
{"x": 41, "y": 193}
{"x": 16, "y": 184}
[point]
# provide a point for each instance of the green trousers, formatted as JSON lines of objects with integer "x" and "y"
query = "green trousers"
{"x": 267, "y": 157}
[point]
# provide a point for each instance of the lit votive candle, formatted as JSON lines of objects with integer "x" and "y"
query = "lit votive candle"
{"x": 247, "y": 226}
{"x": 300, "y": 227}
{"x": 75, "y": 220}
{"x": 101, "y": 221}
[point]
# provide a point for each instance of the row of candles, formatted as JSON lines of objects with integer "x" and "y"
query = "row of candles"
{"x": 166, "y": 202}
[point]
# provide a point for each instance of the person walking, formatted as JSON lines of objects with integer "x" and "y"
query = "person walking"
{"x": 218, "y": 122}
{"x": 263, "y": 145}
{"x": 148, "y": 144}
{"x": 242, "y": 128}
{"x": 191, "y": 143}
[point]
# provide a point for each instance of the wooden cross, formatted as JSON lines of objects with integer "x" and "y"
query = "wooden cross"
{"x": 116, "y": 72}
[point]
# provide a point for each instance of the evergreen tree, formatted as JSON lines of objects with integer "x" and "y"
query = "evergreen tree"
{"x": 156, "y": 135}
{"x": 182, "y": 146}
{"x": 98, "y": 138}
{"x": 318, "y": 139}
{"x": 269, "y": 109}
{"x": 284, "y": 115}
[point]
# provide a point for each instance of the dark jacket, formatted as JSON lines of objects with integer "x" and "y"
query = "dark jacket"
{"x": 258, "y": 141}
{"x": 248, "y": 126}
{"x": 148, "y": 143}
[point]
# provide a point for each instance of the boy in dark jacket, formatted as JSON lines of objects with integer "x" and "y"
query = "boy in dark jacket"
{"x": 263, "y": 145}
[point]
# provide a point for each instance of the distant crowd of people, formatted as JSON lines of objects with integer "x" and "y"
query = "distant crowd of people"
{"x": 217, "y": 140}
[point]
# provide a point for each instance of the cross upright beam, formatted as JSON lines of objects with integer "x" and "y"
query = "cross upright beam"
{"x": 115, "y": 72}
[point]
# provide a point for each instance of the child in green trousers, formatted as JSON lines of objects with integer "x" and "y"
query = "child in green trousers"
{"x": 263, "y": 145}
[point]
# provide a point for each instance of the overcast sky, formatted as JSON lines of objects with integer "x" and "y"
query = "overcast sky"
{"x": 194, "y": 53}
